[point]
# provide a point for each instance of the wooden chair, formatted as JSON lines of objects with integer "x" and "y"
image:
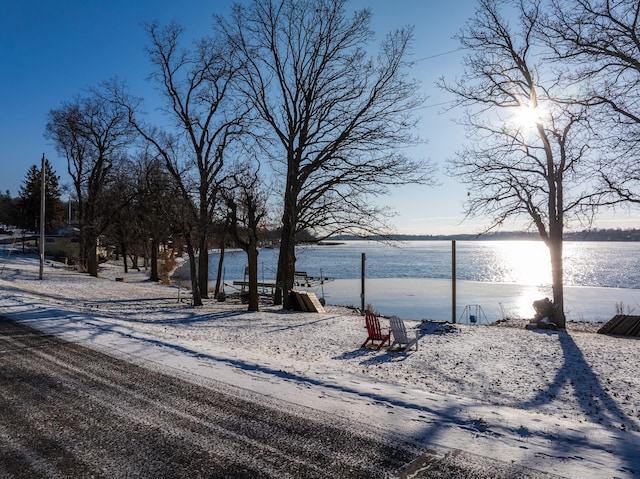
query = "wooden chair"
{"x": 375, "y": 332}
{"x": 400, "y": 336}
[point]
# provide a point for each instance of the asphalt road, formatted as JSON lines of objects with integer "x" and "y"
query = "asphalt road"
{"x": 67, "y": 411}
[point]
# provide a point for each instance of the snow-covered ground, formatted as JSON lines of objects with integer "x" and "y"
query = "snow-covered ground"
{"x": 567, "y": 403}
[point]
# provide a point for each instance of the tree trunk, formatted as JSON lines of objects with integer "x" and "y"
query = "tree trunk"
{"x": 287, "y": 256}
{"x": 155, "y": 246}
{"x": 134, "y": 261}
{"x": 145, "y": 254}
{"x": 92, "y": 254}
{"x": 252, "y": 258}
{"x": 203, "y": 265}
{"x": 220, "y": 266}
{"x": 286, "y": 266}
{"x": 557, "y": 273}
{"x": 123, "y": 247}
{"x": 195, "y": 289}
{"x": 82, "y": 253}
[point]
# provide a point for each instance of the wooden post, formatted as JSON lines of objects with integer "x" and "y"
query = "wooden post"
{"x": 43, "y": 190}
{"x": 362, "y": 274}
{"x": 453, "y": 281}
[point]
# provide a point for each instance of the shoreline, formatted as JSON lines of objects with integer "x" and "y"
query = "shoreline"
{"x": 572, "y": 325}
{"x": 427, "y": 298}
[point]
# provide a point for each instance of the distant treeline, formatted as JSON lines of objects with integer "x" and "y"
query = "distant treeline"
{"x": 591, "y": 235}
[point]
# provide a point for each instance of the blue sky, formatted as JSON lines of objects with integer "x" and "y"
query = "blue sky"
{"x": 51, "y": 51}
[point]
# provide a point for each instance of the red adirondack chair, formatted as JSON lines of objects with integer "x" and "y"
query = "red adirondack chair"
{"x": 375, "y": 332}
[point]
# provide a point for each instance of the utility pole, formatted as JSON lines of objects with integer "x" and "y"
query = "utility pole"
{"x": 43, "y": 189}
{"x": 362, "y": 281}
{"x": 453, "y": 281}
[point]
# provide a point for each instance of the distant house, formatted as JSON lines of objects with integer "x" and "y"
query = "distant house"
{"x": 64, "y": 244}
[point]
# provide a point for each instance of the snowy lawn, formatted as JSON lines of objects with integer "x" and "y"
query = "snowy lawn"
{"x": 567, "y": 403}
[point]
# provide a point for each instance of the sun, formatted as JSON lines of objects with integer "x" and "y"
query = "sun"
{"x": 528, "y": 116}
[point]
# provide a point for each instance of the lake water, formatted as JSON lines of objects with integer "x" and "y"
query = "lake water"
{"x": 495, "y": 279}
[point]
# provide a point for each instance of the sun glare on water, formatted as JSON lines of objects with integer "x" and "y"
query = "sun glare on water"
{"x": 527, "y": 262}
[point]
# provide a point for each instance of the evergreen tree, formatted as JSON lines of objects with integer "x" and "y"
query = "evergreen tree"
{"x": 9, "y": 209}
{"x": 29, "y": 199}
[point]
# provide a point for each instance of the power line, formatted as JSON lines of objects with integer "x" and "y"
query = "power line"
{"x": 438, "y": 55}
{"x": 433, "y": 105}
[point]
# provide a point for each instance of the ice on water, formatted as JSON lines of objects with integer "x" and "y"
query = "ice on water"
{"x": 419, "y": 298}
{"x": 412, "y": 279}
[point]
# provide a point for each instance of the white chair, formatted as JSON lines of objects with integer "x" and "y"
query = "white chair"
{"x": 400, "y": 336}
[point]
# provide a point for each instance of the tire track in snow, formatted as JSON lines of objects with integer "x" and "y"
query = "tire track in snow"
{"x": 70, "y": 411}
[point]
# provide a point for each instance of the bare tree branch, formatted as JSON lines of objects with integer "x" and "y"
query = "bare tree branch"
{"x": 336, "y": 122}
{"x": 528, "y": 153}
{"x": 601, "y": 40}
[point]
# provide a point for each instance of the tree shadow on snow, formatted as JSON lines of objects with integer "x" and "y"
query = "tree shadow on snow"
{"x": 372, "y": 356}
{"x": 594, "y": 400}
{"x": 355, "y": 354}
{"x": 575, "y": 373}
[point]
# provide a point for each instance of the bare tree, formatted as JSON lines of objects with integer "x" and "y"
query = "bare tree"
{"x": 601, "y": 39}
{"x": 335, "y": 121}
{"x": 246, "y": 200}
{"x": 93, "y": 134}
{"x": 157, "y": 191}
{"x": 196, "y": 85}
{"x": 527, "y": 154}
{"x": 139, "y": 226}
{"x": 124, "y": 227}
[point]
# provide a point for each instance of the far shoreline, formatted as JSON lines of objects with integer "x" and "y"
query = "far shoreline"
{"x": 604, "y": 235}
